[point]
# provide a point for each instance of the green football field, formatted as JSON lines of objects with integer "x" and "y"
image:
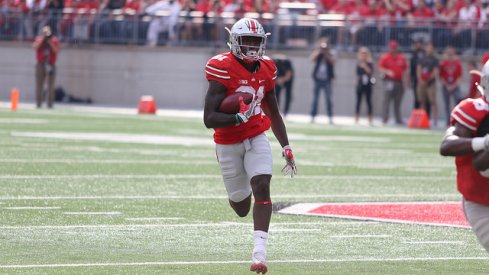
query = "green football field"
{"x": 86, "y": 191}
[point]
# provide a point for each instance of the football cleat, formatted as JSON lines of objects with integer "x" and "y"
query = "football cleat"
{"x": 259, "y": 268}
{"x": 259, "y": 263}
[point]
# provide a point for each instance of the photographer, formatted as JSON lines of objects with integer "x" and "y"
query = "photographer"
{"x": 323, "y": 75}
{"x": 46, "y": 46}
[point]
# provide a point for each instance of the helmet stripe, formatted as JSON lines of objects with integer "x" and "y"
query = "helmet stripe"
{"x": 253, "y": 26}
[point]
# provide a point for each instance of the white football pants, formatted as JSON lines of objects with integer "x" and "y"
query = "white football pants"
{"x": 241, "y": 161}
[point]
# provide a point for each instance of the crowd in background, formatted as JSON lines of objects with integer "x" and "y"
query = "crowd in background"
{"x": 455, "y": 20}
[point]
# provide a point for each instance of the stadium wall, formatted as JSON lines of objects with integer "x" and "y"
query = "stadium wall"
{"x": 120, "y": 75}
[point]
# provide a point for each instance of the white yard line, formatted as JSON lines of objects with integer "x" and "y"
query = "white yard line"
{"x": 92, "y": 213}
{"x": 434, "y": 242}
{"x": 199, "y": 176}
{"x": 154, "y": 219}
{"x": 403, "y": 259}
{"x": 177, "y": 225}
{"x": 32, "y": 208}
{"x": 360, "y": 236}
{"x": 112, "y": 161}
{"x": 218, "y": 197}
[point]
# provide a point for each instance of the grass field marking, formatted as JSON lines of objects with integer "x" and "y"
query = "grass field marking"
{"x": 434, "y": 242}
{"x": 32, "y": 208}
{"x": 219, "y": 197}
{"x": 360, "y": 236}
{"x": 196, "y": 225}
{"x": 119, "y": 138}
{"x": 217, "y": 176}
{"x": 22, "y": 121}
{"x": 405, "y": 259}
{"x": 155, "y": 219}
{"x": 111, "y": 161}
{"x": 93, "y": 213}
{"x": 300, "y": 230}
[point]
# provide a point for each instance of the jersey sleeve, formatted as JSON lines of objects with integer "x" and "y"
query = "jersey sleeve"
{"x": 272, "y": 72}
{"x": 469, "y": 113}
{"x": 217, "y": 69}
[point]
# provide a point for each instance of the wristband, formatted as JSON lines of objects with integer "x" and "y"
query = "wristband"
{"x": 478, "y": 144}
{"x": 287, "y": 147}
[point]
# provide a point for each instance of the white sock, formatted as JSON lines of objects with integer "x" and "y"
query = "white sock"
{"x": 260, "y": 250}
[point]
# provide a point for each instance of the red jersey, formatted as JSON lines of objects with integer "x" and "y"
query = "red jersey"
{"x": 470, "y": 183}
{"x": 226, "y": 69}
{"x": 450, "y": 70}
{"x": 44, "y": 51}
{"x": 396, "y": 63}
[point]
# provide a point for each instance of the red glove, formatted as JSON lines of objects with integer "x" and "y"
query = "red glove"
{"x": 289, "y": 167}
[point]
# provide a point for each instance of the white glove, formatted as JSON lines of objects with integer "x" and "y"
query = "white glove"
{"x": 480, "y": 143}
{"x": 245, "y": 111}
{"x": 289, "y": 167}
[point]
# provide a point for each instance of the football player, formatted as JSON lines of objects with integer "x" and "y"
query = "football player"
{"x": 467, "y": 140}
{"x": 242, "y": 147}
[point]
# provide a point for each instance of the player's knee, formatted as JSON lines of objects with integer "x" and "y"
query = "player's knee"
{"x": 261, "y": 185}
{"x": 241, "y": 207}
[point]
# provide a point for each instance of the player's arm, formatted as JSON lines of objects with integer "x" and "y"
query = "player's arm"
{"x": 458, "y": 141}
{"x": 271, "y": 109}
{"x": 278, "y": 127}
{"x": 213, "y": 98}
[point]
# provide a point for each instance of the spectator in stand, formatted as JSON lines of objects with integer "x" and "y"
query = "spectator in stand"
{"x": 427, "y": 71}
{"x": 77, "y": 24}
{"x": 47, "y": 47}
{"x": 450, "y": 77}
{"x": 284, "y": 81}
{"x": 188, "y": 30}
{"x": 372, "y": 31}
{"x": 35, "y": 16}
{"x": 160, "y": 24}
{"x": 467, "y": 20}
{"x": 343, "y": 7}
{"x": 209, "y": 27}
{"x": 364, "y": 70}
{"x": 421, "y": 16}
{"x": 392, "y": 66}
{"x": 55, "y": 13}
{"x": 323, "y": 75}
{"x": 416, "y": 55}
{"x": 444, "y": 22}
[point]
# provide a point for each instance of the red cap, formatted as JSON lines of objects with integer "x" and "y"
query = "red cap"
{"x": 393, "y": 44}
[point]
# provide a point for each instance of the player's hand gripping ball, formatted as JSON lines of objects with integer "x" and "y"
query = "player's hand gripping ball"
{"x": 231, "y": 104}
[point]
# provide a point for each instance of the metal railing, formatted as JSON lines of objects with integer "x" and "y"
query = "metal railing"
{"x": 289, "y": 30}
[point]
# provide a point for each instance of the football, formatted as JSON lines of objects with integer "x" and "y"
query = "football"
{"x": 230, "y": 104}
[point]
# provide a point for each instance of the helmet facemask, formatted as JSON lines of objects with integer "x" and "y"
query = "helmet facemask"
{"x": 247, "y": 40}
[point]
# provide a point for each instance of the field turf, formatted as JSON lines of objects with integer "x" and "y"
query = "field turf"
{"x": 86, "y": 191}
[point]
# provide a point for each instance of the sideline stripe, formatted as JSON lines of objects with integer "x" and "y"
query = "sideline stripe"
{"x": 33, "y": 208}
{"x": 217, "y": 176}
{"x": 92, "y": 213}
{"x": 154, "y": 219}
{"x": 177, "y": 225}
{"x": 361, "y": 236}
{"x": 435, "y": 242}
{"x": 247, "y": 262}
{"x": 218, "y": 197}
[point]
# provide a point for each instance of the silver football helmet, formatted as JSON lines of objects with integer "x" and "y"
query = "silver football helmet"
{"x": 247, "y": 27}
{"x": 484, "y": 85}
